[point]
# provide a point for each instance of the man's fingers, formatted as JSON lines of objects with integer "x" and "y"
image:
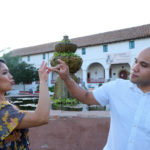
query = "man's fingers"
{"x": 61, "y": 61}
{"x": 56, "y": 70}
{"x": 57, "y": 67}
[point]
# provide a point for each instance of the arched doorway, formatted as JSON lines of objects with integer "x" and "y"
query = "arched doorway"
{"x": 95, "y": 73}
{"x": 119, "y": 71}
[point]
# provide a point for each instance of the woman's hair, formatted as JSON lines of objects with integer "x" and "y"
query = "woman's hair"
{"x": 2, "y": 61}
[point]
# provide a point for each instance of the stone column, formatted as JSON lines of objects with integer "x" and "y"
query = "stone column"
{"x": 48, "y": 64}
{"x": 85, "y": 77}
{"x": 49, "y": 79}
{"x": 107, "y": 77}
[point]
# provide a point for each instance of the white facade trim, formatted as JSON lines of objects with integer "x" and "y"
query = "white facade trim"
{"x": 95, "y": 54}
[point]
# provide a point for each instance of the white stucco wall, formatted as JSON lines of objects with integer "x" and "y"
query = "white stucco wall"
{"x": 95, "y": 54}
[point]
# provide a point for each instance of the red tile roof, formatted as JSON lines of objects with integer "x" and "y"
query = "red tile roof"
{"x": 91, "y": 40}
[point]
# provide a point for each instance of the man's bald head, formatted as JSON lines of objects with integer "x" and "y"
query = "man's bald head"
{"x": 145, "y": 54}
{"x": 146, "y": 51}
{"x": 140, "y": 73}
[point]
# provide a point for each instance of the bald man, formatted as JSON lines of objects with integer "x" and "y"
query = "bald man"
{"x": 129, "y": 102}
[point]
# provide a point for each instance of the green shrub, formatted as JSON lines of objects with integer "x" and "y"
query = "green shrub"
{"x": 51, "y": 88}
{"x": 100, "y": 84}
{"x": 65, "y": 102}
{"x": 37, "y": 88}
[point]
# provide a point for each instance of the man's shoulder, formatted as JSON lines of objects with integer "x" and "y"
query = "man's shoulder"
{"x": 121, "y": 82}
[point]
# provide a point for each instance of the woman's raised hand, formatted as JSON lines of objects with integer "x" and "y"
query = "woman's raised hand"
{"x": 44, "y": 71}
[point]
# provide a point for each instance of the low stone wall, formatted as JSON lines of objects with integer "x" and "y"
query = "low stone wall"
{"x": 70, "y": 134}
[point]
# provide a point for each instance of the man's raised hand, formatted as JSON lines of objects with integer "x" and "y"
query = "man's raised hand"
{"x": 62, "y": 69}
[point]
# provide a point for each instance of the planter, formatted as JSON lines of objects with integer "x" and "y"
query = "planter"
{"x": 65, "y": 46}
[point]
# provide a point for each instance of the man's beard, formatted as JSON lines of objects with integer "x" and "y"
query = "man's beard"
{"x": 141, "y": 83}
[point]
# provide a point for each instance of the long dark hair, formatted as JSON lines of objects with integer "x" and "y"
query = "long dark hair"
{"x": 2, "y": 61}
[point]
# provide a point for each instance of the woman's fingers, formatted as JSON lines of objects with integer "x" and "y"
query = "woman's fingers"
{"x": 48, "y": 70}
{"x": 42, "y": 64}
{"x": 45, "y": 65}
{"x": 44, "y": 69}
{"x": 58, "y": 69}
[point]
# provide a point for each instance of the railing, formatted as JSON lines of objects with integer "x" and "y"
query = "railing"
{"x": 28, "y": 93}
{"x": 54, "y": 81}
{"x": 99, "y": 80}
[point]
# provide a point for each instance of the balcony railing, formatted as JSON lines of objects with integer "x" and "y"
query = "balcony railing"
{"x": 99, "y": 80}
{"x": 53, "y": 81}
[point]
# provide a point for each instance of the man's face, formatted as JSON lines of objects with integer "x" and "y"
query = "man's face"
{"x": 140, "y": 73}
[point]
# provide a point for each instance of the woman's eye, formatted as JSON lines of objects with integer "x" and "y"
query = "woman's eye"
{"x": 4, "y": 73}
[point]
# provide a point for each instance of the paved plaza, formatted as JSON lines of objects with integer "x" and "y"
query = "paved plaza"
{"x": 56, "y": 114}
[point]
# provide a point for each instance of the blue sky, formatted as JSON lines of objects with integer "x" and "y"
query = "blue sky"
{"x": 32, "y": 22}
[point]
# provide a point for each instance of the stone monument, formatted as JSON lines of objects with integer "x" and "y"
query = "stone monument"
{"x": 65, "y": 50}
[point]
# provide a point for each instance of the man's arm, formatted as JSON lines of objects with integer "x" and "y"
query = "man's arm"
{"x": 77, "y": 92}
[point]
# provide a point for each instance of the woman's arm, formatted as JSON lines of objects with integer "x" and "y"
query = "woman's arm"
{"x": 41, "y": 115}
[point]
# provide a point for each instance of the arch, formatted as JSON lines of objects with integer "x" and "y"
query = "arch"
{"x": 119, "y": 71}
{"x": 95, "y": 73}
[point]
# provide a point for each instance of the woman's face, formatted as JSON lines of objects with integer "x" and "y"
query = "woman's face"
{"x": 6, "y": 79}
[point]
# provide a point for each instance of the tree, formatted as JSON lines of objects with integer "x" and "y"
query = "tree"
{"x": 20, "y": 70}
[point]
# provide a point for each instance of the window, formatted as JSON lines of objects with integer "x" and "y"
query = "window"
{"x": 131, "y": 44}
{"x": 28, "y": 58}
{"x": 44, "y": 56}
{"x": 105, "y": 48}
{"x": 83, "y": 51}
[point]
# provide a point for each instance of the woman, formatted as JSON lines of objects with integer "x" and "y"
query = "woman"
{"x": 14, "y": 123}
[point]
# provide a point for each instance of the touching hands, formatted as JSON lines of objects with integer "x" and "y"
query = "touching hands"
{"x": 62, "y": 69}
{"x": 44, "y": 71}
